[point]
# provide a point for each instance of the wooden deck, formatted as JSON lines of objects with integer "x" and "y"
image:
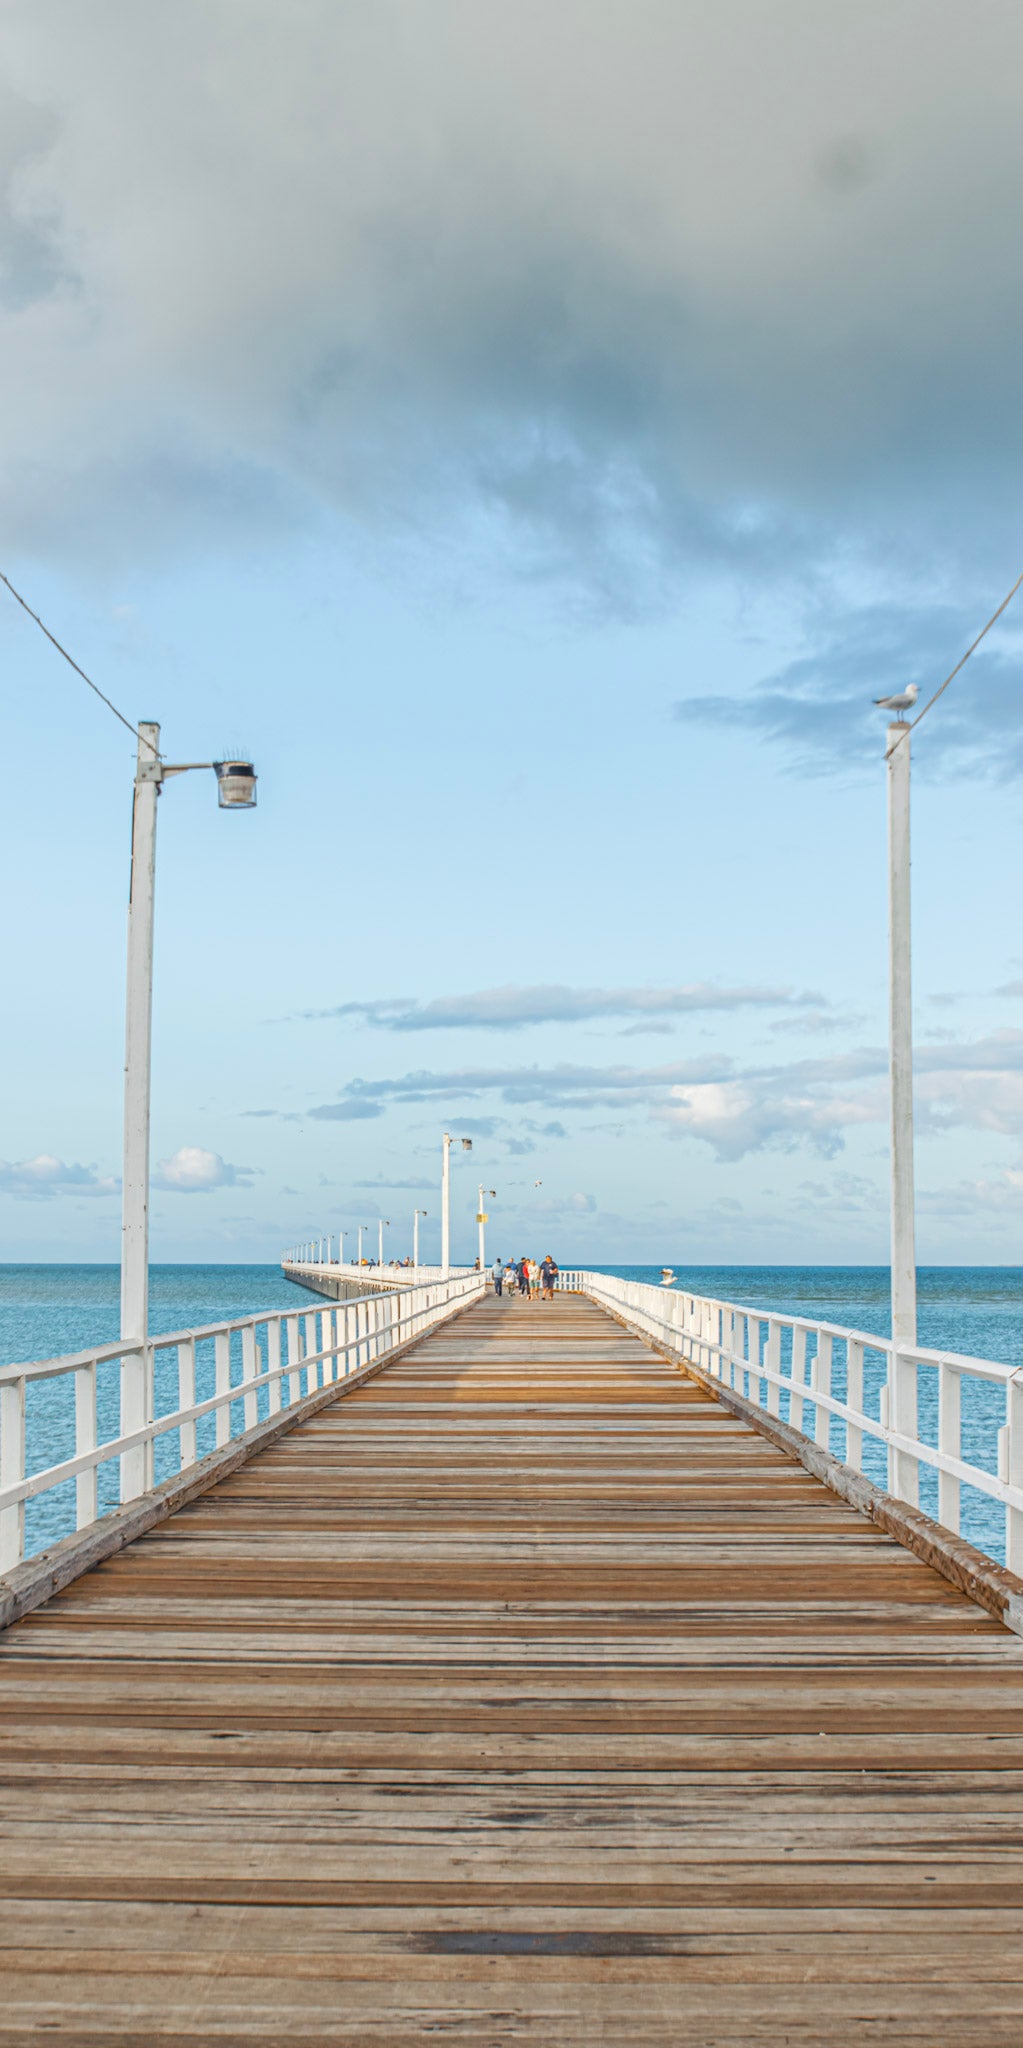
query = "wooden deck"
{"x": 524, "y": 1696}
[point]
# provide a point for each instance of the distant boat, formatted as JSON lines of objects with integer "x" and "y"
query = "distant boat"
{"x": 667, "y": 1277}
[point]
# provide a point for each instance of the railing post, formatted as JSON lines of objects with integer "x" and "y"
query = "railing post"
{"x": 820, "y": 1383}
{"x": 293, "y": 1354}
{"x": 752, "y": 1387}
{"x": 222, "y": 1382}
{"x": 773, "y": 1363}
{"x": 949, "y": 1441}
{"x": 12, "y": 1470}
{"x": 854, "y": 1399}
{"x": 86, "y": 1483}
{"x": 726, "y": 1368}
{"x": 901, "y": 1409}
{"x": 1013, "y": 1470}
{"x": 273, "y": 1360}
{"x": 251, "y": 1406}
{"x": 186, "y": 1399}
{"x": 798, "y": 1378}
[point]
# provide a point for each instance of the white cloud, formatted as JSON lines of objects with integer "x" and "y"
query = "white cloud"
{"x": 348, "y": 1112}
{"x": 735, "y": 1117}
{"x": 193, "y": 1171}
{"x": 1003, "y": 1194}
{"x": 565, "y": 1205}
{"x": 41, "y": 1178}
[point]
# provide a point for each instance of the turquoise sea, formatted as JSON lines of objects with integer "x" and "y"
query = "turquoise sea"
{"x": 49, "y": 1310}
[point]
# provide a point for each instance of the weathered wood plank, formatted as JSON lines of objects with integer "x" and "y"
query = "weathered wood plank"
{"x": 525, "y": 1695}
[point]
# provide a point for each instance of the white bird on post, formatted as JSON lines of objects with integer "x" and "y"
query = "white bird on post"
{"x": 904, "y": 700}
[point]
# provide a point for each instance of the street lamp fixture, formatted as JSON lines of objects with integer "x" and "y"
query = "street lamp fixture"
{"x": 236, "y": 784}
{"x": 481, "y": 1223}
{"x": 445, "y": 1200}
{"x": 903, "y": 1478}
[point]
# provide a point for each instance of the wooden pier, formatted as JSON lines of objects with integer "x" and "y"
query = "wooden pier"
{"x": 523, "y": 1695}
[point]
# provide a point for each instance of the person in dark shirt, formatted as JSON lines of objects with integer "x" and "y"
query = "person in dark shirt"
{"x": 548, "y": 1274}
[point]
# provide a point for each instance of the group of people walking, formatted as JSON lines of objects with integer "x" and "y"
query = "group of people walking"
{"x": 524, "y": 1276}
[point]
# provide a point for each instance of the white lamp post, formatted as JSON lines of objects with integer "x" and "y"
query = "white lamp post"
{"x": 415, "y": 1235}
{"x": 481, "y": 1221}
{"x": 362, "y": 1227}
{"x": 445, "y": 1201}
{"x": 902, "y": 1415}
{"x": 236, "y": 790}
{"x": 383, "y": 1224}
{"x": 342, "y": 1234}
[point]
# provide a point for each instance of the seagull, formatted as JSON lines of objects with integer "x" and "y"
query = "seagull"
{"x": 904, "y": 701}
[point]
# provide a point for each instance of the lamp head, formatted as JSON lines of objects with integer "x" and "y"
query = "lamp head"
{"x": 236, "y": 785}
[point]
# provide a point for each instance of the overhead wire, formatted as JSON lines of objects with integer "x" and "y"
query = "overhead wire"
{"x": 54, "y": 642}
{"x": 950, "y": 678}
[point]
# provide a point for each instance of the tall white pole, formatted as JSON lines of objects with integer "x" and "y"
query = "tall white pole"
{"x": 481, "y": 1226}
{"x": 415, "y": 1237}
{"x": 380, "y": 1243}
{"x": 359, "y": 1259}
{"x": 137, "y": 1465}
{"x": 903, "y": 1470}
{"x": 445, "y": 1209}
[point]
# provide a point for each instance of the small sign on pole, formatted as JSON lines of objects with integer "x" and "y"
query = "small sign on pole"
{"x": 483, "y": 1216}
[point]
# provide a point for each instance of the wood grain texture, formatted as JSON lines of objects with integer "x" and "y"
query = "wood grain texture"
{"x": 529, "y": 1696}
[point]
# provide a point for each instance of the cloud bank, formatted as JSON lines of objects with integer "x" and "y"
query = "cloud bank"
{"x": 42, "y": 1178}
{"x": 654, "y": 284}
{"x": 512, "y": 1009}
{"x": 975, "y": 1084}
{"x": 819, "y": 709}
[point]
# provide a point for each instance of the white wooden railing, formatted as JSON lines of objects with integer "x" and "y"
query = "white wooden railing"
{"x": 203, "y": 1388}
{"x": 319, "y": 1251}
{"x": 390, "y": 1274}
{"x": 925, "y": 1424}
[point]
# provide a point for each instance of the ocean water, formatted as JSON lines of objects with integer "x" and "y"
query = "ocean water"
{"x": 976, "y": 1310}
{"x": 49, "y": 1311}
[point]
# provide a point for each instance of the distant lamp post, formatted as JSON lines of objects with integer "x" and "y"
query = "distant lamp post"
{"x": 902, "y": 1399}
{"x": 445, "y": 1200}
{"x": 415, "y": 1235}
{"x": 362, "y": 1227}
{"x": 384, "y": 1224}
{"x": 236, "y": 790}
{"x": 481, "y": 1220}
{"x": 342, "y": 1234}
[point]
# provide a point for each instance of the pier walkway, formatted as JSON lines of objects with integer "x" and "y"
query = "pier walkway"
{"x": 523, "y": 1695}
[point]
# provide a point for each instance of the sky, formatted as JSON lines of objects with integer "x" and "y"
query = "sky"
{"x": 536, "y": 435}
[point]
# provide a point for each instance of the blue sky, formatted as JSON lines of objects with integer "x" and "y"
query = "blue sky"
{"x": 536, "y": 438}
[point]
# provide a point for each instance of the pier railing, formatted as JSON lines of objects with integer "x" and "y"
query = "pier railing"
{"x": 203, "y": 1388}
{"x": 371, "y": 1274}
{"x": 934, "y": 1428}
